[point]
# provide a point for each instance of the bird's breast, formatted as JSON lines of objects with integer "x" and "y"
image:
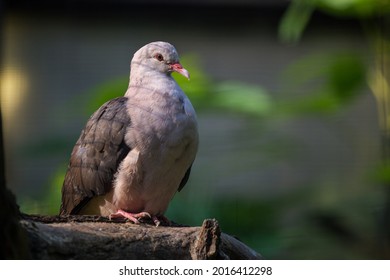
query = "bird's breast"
{"x": 161, "y": 122}
{"x": 164, "y": 134}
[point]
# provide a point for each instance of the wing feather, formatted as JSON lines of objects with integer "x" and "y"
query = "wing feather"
{"x": 96, "y": 156}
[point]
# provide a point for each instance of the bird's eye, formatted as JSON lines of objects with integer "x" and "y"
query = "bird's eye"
{"x": 159, "y": 57}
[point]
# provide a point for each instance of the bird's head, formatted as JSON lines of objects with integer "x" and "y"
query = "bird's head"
{"x": 161, "y": 57}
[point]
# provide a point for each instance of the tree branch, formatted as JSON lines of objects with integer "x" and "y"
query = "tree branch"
{"x": 95, "y": 237}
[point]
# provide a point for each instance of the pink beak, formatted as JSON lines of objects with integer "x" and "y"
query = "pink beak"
{"x": 176, "y": 67}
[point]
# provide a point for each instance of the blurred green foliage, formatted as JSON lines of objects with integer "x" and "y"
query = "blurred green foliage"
{"x": 105, "y": 91}
{"x": 330, "y": 81}
{"x": 343, "y": 223}
{"x": 355, "y": 8}
{"x": 242, "y": 98}
{"x": 295, "y": 20}
{"x": 297, "y": 16}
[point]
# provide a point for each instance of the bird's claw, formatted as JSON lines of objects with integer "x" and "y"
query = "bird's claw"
{"x": 134, "y": 217}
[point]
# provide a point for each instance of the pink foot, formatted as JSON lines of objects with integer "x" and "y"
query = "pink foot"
{"x": 134, "y": 217}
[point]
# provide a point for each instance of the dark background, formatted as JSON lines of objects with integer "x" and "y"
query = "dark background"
{"x": 291, "y": 153}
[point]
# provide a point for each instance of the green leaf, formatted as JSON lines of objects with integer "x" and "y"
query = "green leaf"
{"x": 346, "y": 74}
{"x": 242, "y": 98}
{"x": 295, "y": 20}
{"x": 355, "y": 8}
{"x": 322, "y": 83}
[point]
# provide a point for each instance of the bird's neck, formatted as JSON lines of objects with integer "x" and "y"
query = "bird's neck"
{"x": 143, "y": 76}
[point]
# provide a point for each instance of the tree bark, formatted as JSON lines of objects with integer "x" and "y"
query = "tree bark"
{"x": 95, "y": 237}
{"x": 12, "y": 236}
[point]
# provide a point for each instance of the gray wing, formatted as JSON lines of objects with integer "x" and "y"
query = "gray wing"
{"x": 185, "y": 179}
{"x": 96, "y": 156}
